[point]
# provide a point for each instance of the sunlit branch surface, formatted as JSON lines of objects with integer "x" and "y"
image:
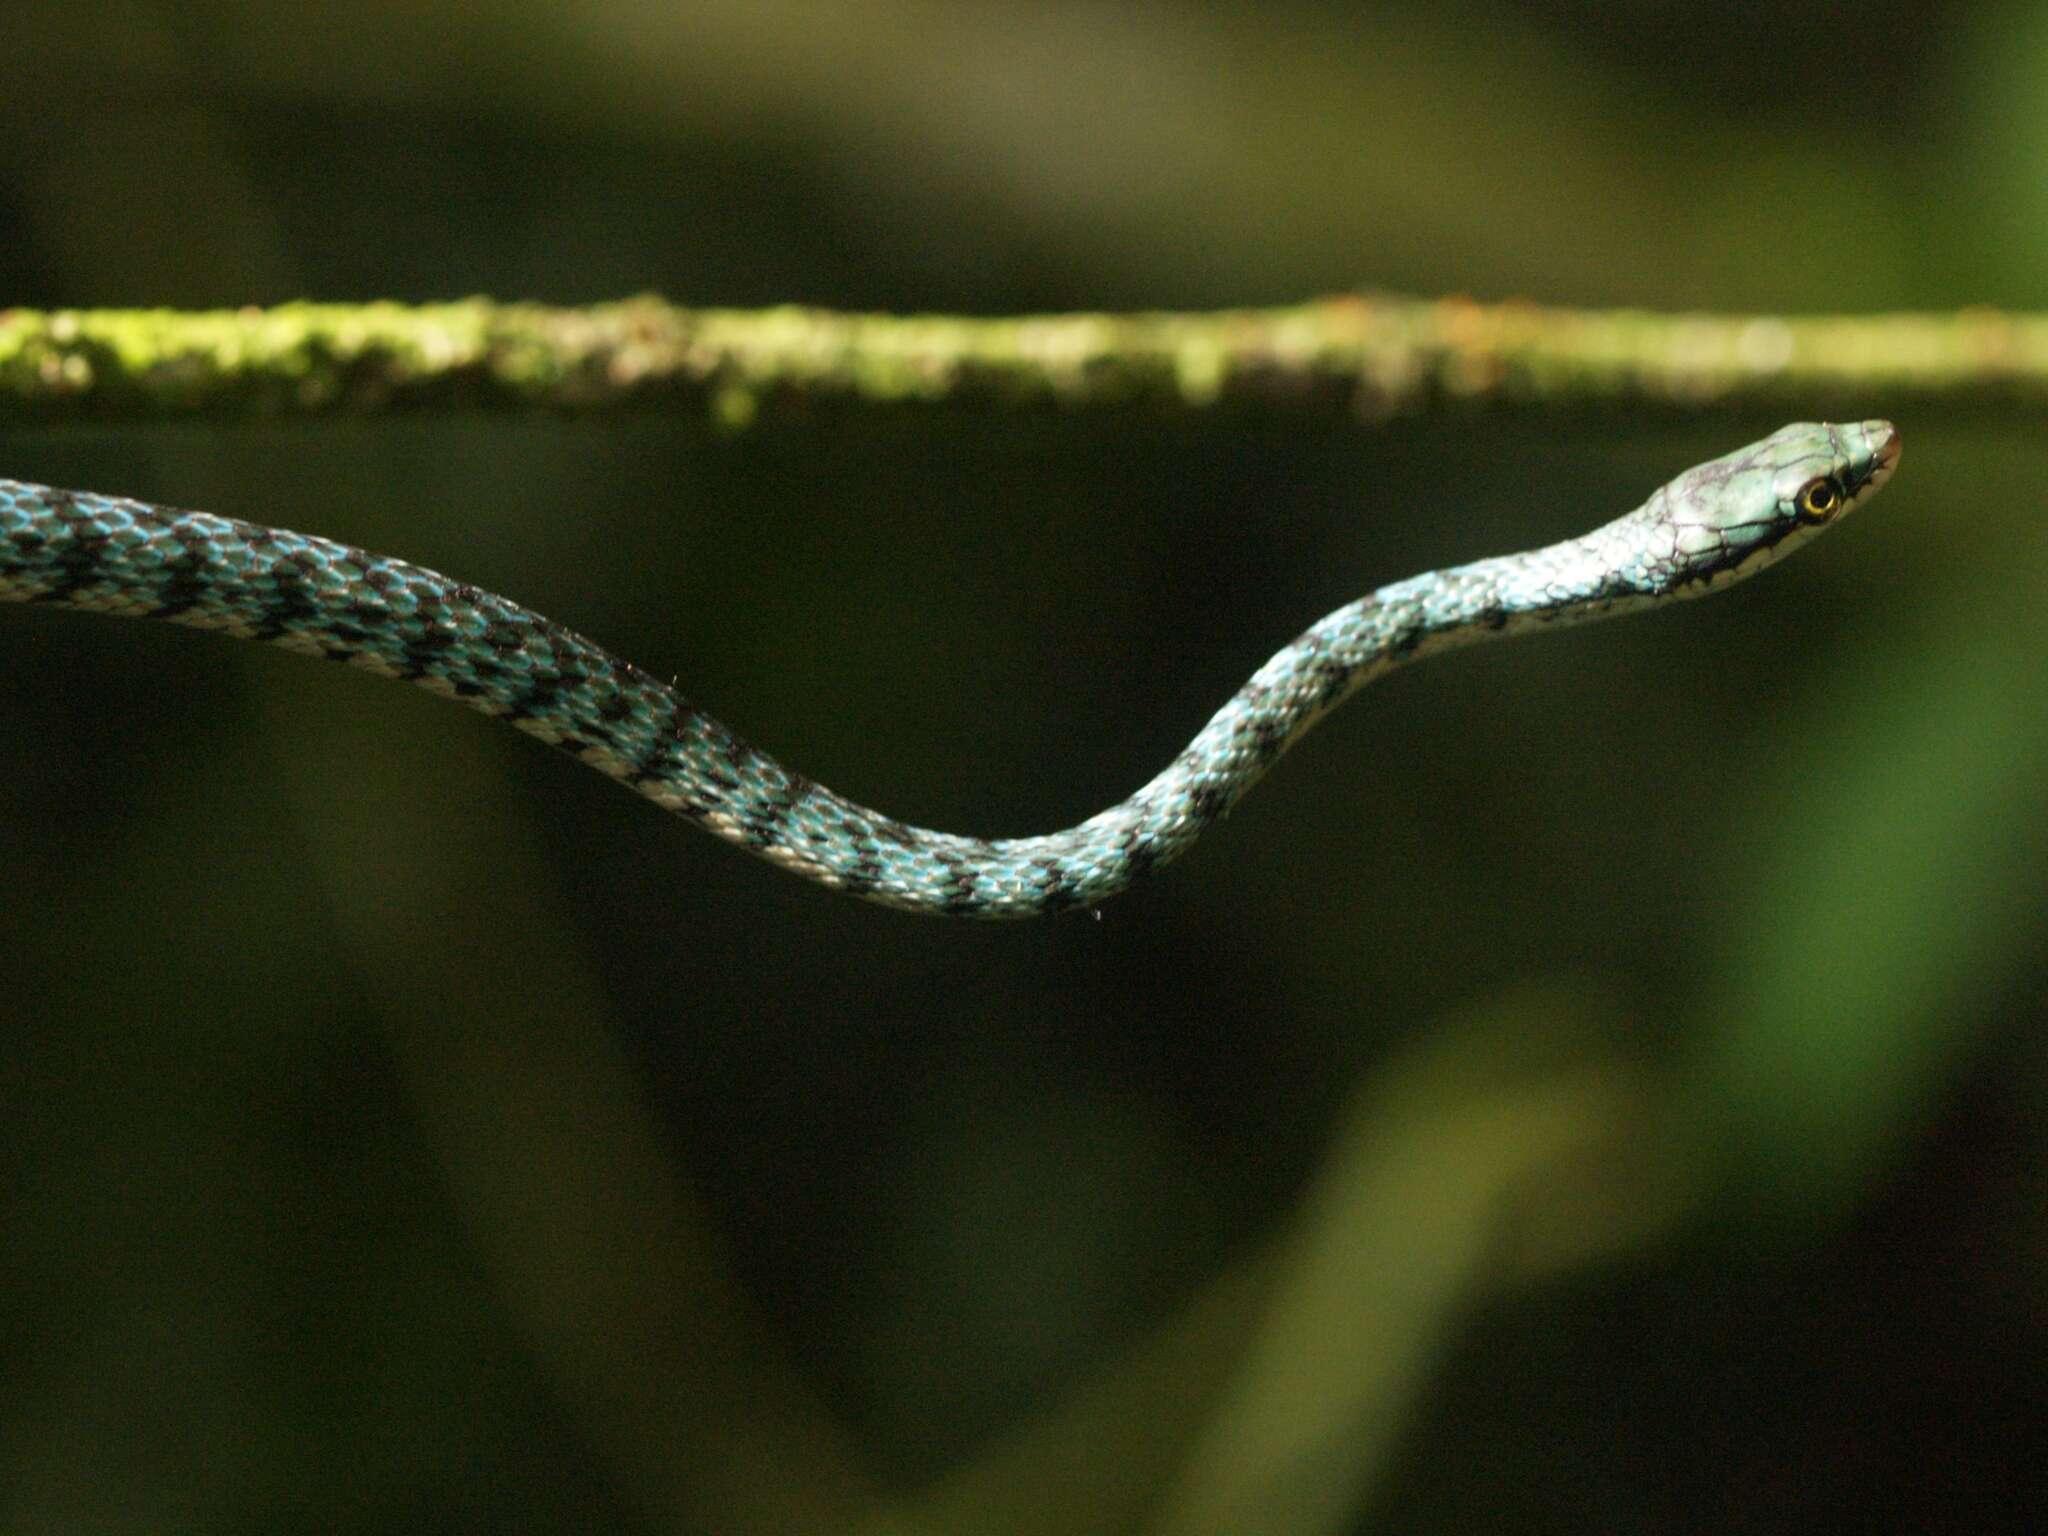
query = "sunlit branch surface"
{"x": 1369, "y": 356}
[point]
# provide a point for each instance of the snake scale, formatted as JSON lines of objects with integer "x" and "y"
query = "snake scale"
{"x": 1712, "y": 525}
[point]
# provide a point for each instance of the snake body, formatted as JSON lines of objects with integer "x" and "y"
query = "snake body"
{"x": 1713, "y": 524}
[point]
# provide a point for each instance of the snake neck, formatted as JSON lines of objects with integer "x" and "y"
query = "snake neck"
{"x": 1565, "y": 583}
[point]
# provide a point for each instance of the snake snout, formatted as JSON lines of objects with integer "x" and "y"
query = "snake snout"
{"x": 1880, "y": 446}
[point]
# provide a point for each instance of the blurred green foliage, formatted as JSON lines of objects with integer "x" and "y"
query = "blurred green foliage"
{"x": 1595, "y": 1084}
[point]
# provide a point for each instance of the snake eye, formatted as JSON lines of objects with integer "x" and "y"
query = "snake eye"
{"x": 1818, "y": 499}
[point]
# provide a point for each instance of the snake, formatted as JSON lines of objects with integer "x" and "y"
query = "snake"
{"x": 1714, "y": 524}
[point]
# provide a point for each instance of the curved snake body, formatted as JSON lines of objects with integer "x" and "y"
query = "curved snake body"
{"x": 1713, "y": 524}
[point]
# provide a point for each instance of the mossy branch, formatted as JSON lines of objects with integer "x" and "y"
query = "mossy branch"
{"x": 1369, "y": 356}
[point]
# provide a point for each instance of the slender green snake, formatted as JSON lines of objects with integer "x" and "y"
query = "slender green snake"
{"x": 1712, "y": 525}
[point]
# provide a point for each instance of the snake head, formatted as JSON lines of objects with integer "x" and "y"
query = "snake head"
{"x": 1735, "y": 515}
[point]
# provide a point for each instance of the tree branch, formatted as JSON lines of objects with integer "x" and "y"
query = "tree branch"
{"x": 1371, "y": 356}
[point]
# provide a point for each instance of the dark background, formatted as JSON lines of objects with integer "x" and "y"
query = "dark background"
{"x": 1595, "y": 1083}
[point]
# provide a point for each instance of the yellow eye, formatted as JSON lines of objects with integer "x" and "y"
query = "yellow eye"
{"x": 1819, "y": 499}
